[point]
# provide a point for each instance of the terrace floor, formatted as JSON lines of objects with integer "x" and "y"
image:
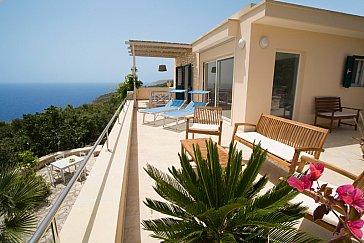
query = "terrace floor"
{"x": 158, "y": 146}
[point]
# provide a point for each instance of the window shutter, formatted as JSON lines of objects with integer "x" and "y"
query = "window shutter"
{"x": 348, "y": 73}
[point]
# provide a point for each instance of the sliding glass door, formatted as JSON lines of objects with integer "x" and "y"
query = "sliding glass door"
{"x": 284, "y": 84}
{"x": 219, "y": 81}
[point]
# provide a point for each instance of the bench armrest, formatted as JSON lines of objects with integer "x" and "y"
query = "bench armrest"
{"x": 351, "y": 108}
{"x": 307, "y": 160}
{"x": 237, "y": 124}
{"x": 296, "y": 157}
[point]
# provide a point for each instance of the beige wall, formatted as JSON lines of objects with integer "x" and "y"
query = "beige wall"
{"x": 223, "y": 50}
{"x": 143, "y": 93}
{"x": 321, "y": 68}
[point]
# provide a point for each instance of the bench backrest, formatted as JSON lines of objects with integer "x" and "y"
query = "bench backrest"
{"x": 207, "y": 115}
{"x": 327, "y": 104}
{"x": 292, "y": 133}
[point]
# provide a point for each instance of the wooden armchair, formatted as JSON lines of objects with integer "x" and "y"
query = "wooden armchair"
{"x": 206, "y": 120}
{"x": 330, "y": 108}
{"x": 329, "y": 221}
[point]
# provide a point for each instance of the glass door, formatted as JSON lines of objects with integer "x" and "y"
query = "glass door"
{"x": 225, "y": 71}
{"x": 218, "y": 76}
{"x": 210, "y": 81}
{"x": 284, "y": 84}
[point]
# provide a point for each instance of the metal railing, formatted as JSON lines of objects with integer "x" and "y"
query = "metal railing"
{"x": 50, "y": 219}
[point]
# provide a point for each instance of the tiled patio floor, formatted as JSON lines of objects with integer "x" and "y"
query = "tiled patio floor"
{"x": 160, "y": 146}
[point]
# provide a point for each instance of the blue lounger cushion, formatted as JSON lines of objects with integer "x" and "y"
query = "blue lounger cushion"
{"x": 170, "y": 106}
{"x": 189, "y": 110}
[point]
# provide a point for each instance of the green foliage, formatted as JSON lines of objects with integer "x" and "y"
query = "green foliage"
{"x": 222, "y": 205}
{"x": 28, "y": 159}
{"x": 128, "y": 85}
{"x": 19, "y": 195}
{"x": 53, "y": 130}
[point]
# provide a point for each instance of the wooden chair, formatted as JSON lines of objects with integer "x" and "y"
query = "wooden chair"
{"x": 330, "y": 108}
{"x": 206, "y": 120}
{"x": 329, "y": 222}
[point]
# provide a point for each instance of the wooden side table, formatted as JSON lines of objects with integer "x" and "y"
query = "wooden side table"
{"x": 187, "y": 145}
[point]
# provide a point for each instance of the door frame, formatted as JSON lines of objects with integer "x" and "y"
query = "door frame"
{"x": 204, "y": 75}
{"x": 298, "y": 78}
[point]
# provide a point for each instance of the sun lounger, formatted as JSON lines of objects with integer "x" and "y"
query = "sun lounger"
{"x": 189, "y": 110}
{"x": 172, "y": 105}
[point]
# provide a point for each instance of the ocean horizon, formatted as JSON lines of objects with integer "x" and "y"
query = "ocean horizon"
{"x": 17, "y": 99}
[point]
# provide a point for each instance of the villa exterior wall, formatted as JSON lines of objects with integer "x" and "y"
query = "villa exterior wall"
{"x": 321, "y": 68}
{"x": 223, "y": 50}
{"x": 323, "y": 46}
{"x": 188, "y": 58}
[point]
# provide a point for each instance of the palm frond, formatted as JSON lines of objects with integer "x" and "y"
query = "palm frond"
{"x": 167, "y": 187}
{"x": 251, "y": 171}
{"x": 165, "y": 208}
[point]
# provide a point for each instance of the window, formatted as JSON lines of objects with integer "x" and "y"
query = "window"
{"x": 358, "y": 73}
{"x": 354, "y": 72}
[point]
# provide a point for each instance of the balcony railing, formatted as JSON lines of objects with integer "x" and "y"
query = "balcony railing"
{"x": 50, "y": 219}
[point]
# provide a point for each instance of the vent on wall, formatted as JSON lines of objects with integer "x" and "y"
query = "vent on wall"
{"x": 354, "y": 72}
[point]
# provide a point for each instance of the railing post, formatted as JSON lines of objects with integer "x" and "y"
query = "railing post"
{"x": 107, "y": 141}
{"x": 55, "y": 233}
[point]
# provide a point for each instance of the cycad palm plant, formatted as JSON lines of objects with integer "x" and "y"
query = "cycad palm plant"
{"x": 19, "y": 195}
{"x": 214, "y": 204}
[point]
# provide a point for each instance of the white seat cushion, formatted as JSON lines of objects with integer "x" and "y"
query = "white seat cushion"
{"x": 312, "y": 205}
{"x": 272, "y": 146}
{"x": 338, "y": 113}
{"x": 204, "y": 127}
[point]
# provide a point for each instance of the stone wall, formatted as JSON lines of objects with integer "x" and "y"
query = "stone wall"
{"x": 186, "y": 59}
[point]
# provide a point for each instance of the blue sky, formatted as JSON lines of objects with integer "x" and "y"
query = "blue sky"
{"x": 83, "y": 41}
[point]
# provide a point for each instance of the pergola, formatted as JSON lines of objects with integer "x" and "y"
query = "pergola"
{"x": 155, "y": 49}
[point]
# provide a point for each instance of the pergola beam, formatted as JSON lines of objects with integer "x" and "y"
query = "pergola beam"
{"x": 157, "y": 49}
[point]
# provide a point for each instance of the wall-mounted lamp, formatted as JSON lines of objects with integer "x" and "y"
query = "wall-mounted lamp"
{"x": 213, "y": 70}
{"x": 264, "y": 42}
{"x": 162, "y": 68}
{"x": 241, "y": 43}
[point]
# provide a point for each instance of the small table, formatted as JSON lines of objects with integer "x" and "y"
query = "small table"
{"x": 65, "y": 163}
{"x": 187, "y": 145}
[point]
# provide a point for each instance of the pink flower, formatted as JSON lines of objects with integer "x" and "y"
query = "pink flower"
{"x": 355, "y": 227}
{"x": 307, "y": 181}
{"x": 300, "y": 185}
{"x": 351, "y": 196}
{"x": 316, "y": 170}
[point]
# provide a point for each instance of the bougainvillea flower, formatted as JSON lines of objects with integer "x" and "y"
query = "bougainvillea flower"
{"x": 296, "y": 183}
{"x": 307, "y": 181}
{"x": 300, "y": 185}
{"x": 351, "y": 196}
{"x": 355, "y": 227}
{"x": 316, "y": 170}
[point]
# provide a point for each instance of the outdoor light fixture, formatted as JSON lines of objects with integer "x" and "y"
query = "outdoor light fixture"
{"x": 264, "y": 42}
{"x": 213, "y": 70}
{"x": 241, "y": 43}
{"x": 162, "y": 68}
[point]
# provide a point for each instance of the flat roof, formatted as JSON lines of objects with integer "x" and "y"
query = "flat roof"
{"x": 315, "y": 19}
{"x": 157, "y": 48}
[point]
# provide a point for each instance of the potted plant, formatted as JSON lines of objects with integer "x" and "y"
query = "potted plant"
{"x": 215, "y": 204}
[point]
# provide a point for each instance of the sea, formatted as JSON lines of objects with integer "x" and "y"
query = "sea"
{"x": 28, "y": 98}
